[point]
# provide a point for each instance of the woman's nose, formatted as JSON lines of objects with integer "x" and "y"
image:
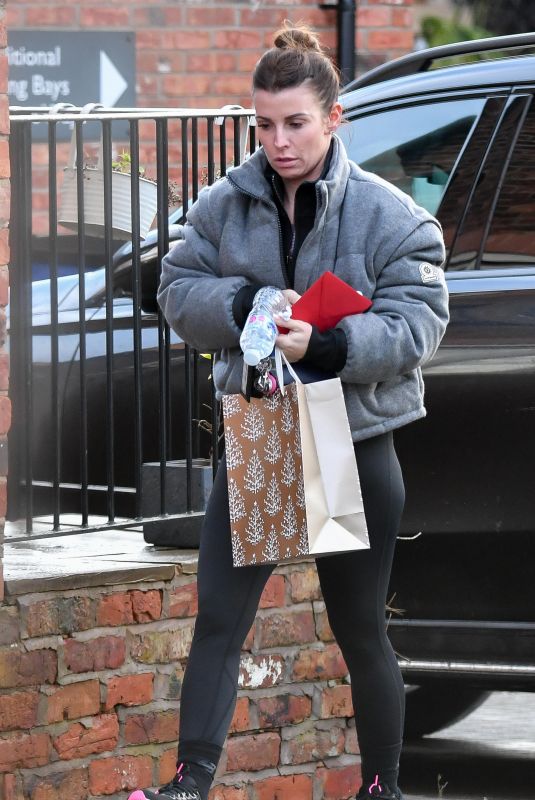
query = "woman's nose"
{"x": 280, "y": 138}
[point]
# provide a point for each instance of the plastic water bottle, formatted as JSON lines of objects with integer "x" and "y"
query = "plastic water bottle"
{"x": 259, "y": 333}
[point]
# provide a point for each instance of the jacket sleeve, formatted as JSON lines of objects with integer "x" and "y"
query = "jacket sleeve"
{"x": 195, "y": 298}
{"x": 403, "y": 329}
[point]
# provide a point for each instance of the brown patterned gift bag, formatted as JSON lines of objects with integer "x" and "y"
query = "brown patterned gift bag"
{"x": 284, "y": 503}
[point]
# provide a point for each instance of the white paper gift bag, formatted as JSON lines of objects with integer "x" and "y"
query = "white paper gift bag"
{"x": 334, "y": 508}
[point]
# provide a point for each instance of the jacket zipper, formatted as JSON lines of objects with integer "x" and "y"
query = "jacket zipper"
{"x": 289, "y": 257}
{"x": 285, "y": 262}
{"x": 281, "y": 247}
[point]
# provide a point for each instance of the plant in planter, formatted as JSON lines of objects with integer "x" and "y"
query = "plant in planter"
{"x": 123, "y": 163}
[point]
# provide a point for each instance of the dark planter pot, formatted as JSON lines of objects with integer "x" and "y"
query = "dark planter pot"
{"x": 182, "y": 532}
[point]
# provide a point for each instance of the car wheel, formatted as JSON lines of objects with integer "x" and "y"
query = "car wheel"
{"x": 430, "y": 708}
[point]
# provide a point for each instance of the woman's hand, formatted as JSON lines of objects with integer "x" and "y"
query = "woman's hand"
{"x": 294, "y": 344}
{"x": 291, "y": 296}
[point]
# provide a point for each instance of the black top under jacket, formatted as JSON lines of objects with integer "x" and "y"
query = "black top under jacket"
{"x": 327, "y": 348}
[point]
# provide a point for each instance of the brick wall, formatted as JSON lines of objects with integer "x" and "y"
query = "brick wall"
{"x": 90, "y": 683}
{"x": 5, "y": 408}
{"x": 201, "y": 53}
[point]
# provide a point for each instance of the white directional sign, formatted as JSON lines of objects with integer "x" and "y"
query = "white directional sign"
{"x": 112, "y": 83}
{"x": 77, "y": 67}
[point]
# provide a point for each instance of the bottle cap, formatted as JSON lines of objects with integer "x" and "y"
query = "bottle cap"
{"x": 252, "y": 357}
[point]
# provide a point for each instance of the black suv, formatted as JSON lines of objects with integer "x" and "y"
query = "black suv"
{"x": 461, "y": 140}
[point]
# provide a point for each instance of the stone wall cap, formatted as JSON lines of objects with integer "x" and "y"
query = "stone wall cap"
{"x": 90, "y": 559}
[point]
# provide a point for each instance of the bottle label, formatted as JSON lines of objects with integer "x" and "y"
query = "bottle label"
{"x": 263, "y": 319}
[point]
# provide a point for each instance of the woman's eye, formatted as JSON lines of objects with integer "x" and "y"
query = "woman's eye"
{"x": 262, "y": 125}
{"x": 296, "y": 124}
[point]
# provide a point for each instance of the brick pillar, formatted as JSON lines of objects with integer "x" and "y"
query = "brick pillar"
{"x": 5, "y": 408}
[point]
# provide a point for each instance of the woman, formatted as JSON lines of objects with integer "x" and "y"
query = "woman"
{"x": 296, "y": 208}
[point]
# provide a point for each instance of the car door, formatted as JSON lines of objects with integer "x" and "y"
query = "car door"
{"x": 481, "y": 384}
{"x": 433, "y": 149}
{"x": 469, "y": 467}
{"x": 476, "y": 472}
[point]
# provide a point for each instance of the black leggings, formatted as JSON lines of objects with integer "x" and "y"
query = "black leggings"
{"x": 354, "y": 588}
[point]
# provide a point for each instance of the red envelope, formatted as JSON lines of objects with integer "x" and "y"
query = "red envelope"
{"x": 328, "y": 300}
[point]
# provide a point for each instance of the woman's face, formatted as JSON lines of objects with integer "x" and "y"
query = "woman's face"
{"x": 294, "y": 131}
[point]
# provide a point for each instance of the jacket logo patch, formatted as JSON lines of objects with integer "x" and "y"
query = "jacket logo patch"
{"x": 429, "y": 273}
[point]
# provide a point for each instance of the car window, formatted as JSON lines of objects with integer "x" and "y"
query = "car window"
{"x": 414, "y": 147}
{"x": 466, "y": 249}
{"x": 510, "y": 242}
{"x": 464, "y": 178}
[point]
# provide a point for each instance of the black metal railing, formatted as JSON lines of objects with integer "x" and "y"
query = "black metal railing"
{"x": 114, "y": 417}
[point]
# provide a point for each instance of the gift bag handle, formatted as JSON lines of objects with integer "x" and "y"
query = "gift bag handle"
{"x": 279, "y": 358}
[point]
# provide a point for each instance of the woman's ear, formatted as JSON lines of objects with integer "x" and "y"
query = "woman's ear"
{"x": 335, "y": 117}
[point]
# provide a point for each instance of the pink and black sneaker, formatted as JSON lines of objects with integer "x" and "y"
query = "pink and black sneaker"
{"x": 378, "y": 790}
{"x": 182, "y": 787}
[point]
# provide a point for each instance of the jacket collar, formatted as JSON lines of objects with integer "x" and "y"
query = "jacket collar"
{"x": 276, "y": 181}
{"x": 250, "y": 177}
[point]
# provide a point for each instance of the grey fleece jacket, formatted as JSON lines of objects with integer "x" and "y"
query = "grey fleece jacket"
{"x": 367, "y": 232}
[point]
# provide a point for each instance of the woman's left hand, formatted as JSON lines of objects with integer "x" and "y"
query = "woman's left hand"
{"x": 294, "y": 344}
{"x": 291, "y": 296}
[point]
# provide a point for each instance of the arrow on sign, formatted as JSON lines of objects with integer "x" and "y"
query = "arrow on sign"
{"x": 112, "y": 83}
